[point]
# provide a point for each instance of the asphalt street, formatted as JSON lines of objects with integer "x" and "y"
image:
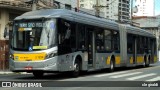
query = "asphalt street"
{"x": 121, "y": 79}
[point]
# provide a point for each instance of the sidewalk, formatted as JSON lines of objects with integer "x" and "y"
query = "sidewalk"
{"x": 6, "y": 72}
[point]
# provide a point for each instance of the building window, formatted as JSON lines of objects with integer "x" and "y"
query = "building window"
{"x": 67, "y": 6}
{"x": 81, "y": 5}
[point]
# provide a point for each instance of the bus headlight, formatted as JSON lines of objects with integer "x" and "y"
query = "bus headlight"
{"x": 50, "y": 55}
{"x": 11, "y": 56}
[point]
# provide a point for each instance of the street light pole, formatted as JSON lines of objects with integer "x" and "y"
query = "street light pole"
{"x": 97, "y": 8}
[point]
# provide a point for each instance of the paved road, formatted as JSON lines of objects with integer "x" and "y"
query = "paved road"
{"x": 93, "y": 79}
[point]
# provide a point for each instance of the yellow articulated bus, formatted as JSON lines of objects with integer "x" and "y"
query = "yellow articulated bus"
{"x": 58, "y": 40}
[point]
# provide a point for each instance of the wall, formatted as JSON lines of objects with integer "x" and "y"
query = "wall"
{"x": 3, "y": 21}
{"x": 6, "y": 15}
{"x": 4, "y": 55}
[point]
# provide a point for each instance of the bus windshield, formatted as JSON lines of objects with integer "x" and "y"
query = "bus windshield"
{"x": 33, "y": 35}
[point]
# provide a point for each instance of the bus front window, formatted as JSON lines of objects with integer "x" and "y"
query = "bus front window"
{"x": 32, "y": 35}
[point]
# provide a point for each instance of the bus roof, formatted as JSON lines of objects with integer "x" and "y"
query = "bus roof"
{"x": 81, "y": 18}
{"x": 69, "y": 15}
{"x": 139, "y": 31}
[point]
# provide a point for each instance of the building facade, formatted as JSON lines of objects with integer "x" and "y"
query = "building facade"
{"x": 66, "y": 4}
{"x": 118, "y": 10}
{"x": 145, "y": 7}
{"x": 9, "y": 9}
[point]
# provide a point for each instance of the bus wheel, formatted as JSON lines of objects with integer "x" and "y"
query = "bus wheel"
{"x": 76, "y": 71}
{"x": 38, "y": 74}
{"x": 144, "y": 64}
{"x": 111, "y": 68}
{"x": 148, "y": 63}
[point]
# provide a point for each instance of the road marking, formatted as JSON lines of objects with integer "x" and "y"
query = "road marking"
{"x": 108, "y": 74}
{"x": 141, "y": 76}
{"x": 123, "y": 75}
{"x": 154, "y": 79}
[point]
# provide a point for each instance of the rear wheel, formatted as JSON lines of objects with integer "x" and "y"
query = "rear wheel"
{"x": 144, "y": 62}
{"x": 148, "y": 63}
{"x": 38, "y": 74}
{"x": 111, "y": 68}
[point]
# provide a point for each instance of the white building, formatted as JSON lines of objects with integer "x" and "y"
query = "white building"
{"x": 117, "y": 10}
{"x": 87, "y": 4}
{"x": 145, "y": 8}
{"x": 66, "y": 4}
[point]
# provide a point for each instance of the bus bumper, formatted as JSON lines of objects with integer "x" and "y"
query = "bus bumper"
{"x": 29, "y": 66}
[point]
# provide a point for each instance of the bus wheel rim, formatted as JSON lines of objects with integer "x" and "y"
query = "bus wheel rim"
{"x": 76, "y": 67}
{"x": 111, "y": 65}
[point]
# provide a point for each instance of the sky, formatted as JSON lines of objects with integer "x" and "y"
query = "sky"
{"x": 157, "y": 7}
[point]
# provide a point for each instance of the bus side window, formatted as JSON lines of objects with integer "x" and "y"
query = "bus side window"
{"x": 108, "y": 41}
{"x": 100, "y": 39}
{"x": 64, "y": 34}
{"x": 81, "y": 37}
{"x": 130, "y": 43}
{"x": 116, "y": 41}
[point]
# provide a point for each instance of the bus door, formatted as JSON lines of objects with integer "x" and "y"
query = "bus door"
{"x": 134, "y": 49}
{"x": 131, "y": 47}
{"x": 91, "y": 48}
{"x": 152, "y": 42}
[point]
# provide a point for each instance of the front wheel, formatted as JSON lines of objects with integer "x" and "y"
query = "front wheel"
{"x": 76, "y": 71}
{"x": 144, "y": 64}
{"x": 148, "y": 63}
{"x": 38, "y": 74}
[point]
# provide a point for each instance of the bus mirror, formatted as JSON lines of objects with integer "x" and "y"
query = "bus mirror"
{"x": 5, "y": 32}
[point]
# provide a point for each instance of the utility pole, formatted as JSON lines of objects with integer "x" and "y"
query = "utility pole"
{"x": 34, "y": 5}
{"x": 131, "y": 11}
{"x": 97, "y": 8}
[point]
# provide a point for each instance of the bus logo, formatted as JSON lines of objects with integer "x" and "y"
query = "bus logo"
{"x": 16, "y": 57}
{"x": 30, "y": 49}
